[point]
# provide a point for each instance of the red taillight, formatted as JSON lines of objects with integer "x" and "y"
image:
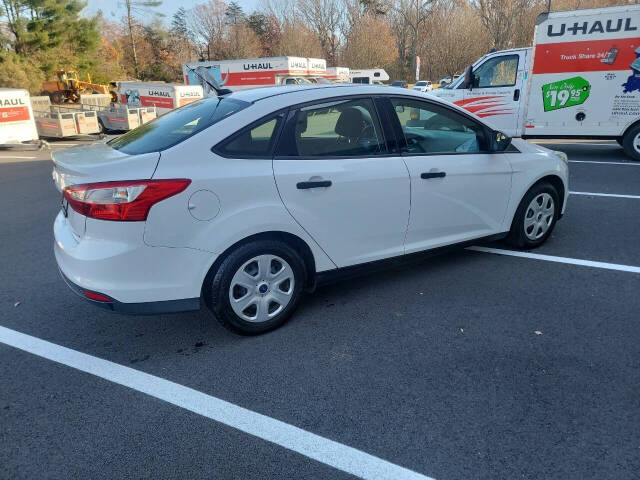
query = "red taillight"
{"x": 127, "y": 201}
{"x": 98, "y": 297}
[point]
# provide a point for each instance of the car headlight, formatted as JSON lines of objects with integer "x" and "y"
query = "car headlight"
{"x": 562, "y": 156}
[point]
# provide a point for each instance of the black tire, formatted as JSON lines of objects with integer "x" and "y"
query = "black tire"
{"x": 57, "y": 97}
{"x": 217, "y": 291}
{"x": 627, "y": 142}
{"x": 517, "y": 236}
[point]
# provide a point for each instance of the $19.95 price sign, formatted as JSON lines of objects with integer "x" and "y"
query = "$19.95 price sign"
{"x": 565, "y": 93}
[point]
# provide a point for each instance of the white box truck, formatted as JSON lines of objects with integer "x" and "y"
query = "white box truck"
{"x": 164, "y": 96}
{"x": 17, "y": 124}
{"x": 581, "y": 79}
{"x": 246, "y": 73}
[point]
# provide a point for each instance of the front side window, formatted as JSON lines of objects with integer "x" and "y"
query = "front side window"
{"x": 176, "y": 126}
{"x": 497, "y": 72}
{"x": 333, "y": 129}
{"x": 430, "y": 128}
{"x": 255, "y": 141}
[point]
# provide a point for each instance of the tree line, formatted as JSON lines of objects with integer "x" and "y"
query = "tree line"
{"x": 38, "y": 37}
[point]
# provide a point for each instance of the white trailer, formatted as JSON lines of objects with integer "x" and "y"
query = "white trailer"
{"x": 17, "y": 123}
{"x": 257, "y": 72}
{"x": 164, "y": 96}
{"x": 369, "y": 76}
{"x": 581, "y": 79}
{"x": 338, "y": 74}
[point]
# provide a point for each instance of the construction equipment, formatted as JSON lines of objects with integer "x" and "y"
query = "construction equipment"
{"x": 68, "y": 87}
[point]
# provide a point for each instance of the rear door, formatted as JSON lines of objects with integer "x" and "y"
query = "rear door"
{"x": 496, "y": 95}
{"x": 338, "y": 180}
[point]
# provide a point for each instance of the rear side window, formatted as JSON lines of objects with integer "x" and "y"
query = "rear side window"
{"x": 177, "y": 125}
{"x": 255, "y": 141}
{"x": 339, "y": 128}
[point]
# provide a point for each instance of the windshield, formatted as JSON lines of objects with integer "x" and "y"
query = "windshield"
{"x": 177, "y": 125}
{"x": 420, "y": 84}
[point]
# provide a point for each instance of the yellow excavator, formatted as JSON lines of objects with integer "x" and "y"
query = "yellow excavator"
{"x": 67, "y": 87}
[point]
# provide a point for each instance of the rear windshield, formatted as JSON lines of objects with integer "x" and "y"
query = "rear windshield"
{"x": 177, "y": 125}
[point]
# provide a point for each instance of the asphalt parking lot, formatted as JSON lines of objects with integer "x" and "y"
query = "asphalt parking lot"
{"x": 469, "y": 365}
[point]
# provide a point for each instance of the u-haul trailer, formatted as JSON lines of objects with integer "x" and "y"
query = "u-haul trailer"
{"x": 338, "y": 74}
{"x": 258, "y": 72}
{"x": 17, "y": 123}
{"x": 164, "y": 96}
{"x": 581, "y": 79}
{"x": 63, "y": 120}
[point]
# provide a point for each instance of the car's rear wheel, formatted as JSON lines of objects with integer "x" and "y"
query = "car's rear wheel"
{"x": 535, "y": 217}
{"x": 257, "y": 287}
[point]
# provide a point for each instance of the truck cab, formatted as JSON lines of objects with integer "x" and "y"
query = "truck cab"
{"x": 494, "y": 89}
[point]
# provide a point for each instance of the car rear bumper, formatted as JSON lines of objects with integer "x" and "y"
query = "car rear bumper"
{"x": 132, "y": 276}
{"x": 141, "y": 308}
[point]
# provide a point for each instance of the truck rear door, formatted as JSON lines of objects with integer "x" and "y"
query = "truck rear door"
{"x": 497, "y": 93}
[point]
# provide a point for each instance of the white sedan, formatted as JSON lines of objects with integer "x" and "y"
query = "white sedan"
{"x": 245, "y": 200}
{"x": 423, "y": 86}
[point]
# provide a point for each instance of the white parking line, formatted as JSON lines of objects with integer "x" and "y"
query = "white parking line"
{"x": 552, "y": 258}
{"x": 16, "y": 157}
{"x": 633, "y": 164}
{"x": 329, "y": 452}
{"x": 614, "y": 195}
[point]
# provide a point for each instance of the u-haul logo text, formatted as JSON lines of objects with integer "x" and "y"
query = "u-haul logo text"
{"x": 588, "y": 28}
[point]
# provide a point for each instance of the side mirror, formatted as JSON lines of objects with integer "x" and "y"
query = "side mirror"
{"x": 500, "y": 142}
{"x": 400, "y": 108}
{"x": 468, "y": 77}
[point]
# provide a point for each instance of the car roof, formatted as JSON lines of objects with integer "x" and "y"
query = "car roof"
{"x": 288, "y": 95}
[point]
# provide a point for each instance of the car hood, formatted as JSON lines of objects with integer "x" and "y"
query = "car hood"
{"x": 98, "y": 162}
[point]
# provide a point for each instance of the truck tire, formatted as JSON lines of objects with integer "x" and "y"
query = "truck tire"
{"x": 57, "y": 97}
{"x": 631, "y": 142}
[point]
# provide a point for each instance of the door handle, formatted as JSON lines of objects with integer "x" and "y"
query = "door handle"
{"x": 516, "y": 95}
{"x": 427, "y": 175}
{"x": 316, "y": 184}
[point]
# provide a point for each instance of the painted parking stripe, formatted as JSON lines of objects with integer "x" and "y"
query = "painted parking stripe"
{"x": 614, "y": 195}
{"x": 632, "y": 164}
{"x": 329, "y": 452}
{"x": 14, "y": 157}
{"x": 552, "y": 258}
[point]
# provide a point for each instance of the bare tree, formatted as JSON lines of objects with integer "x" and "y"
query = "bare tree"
{"x": 325, "y": 18}
{"x": 410, "y": 16}
{"x": 138, "y": 7}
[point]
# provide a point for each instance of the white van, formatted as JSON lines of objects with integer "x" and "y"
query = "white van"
{"x": 17, "y": 124}
{"x": 581, "y": 79}
{"x": 164, "y": 96}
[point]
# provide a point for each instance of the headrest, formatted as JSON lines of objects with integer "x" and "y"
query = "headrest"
{"x": 301, "y": 123}
{"x": 350, "y": 123}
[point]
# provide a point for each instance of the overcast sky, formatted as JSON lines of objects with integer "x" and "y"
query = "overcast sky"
{"x": 115, "y": 10}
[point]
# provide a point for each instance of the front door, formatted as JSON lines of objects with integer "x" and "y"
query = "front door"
{"x": 459, "y": 190}
{"x": 496, "y": 94}
{"x": 339, "y": 183}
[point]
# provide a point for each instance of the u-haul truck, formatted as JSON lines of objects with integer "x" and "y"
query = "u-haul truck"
{"x": 257, "y": 72}
{"x": 163, "y": 96}
{"x": 581, "y": 79}
{"x": 17, "y": 124}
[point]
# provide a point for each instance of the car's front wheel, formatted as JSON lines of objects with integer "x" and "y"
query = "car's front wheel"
{"x": 257, "y": 287}
{"x": 535, "y": 217}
